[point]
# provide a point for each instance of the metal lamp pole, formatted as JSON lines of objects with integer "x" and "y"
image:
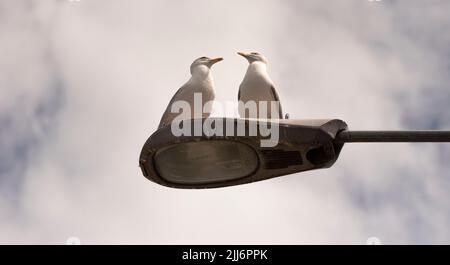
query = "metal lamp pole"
{"x": 392, "y": 136}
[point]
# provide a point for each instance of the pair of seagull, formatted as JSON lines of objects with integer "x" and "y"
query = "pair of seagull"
{"x": 256, "y": 86}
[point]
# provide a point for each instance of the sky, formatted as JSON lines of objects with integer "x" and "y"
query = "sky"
{"x": 84, "y": 83}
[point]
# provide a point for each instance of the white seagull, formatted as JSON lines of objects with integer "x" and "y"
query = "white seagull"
{"x": 201, "y": 81}
{"x": 257, "y": 86}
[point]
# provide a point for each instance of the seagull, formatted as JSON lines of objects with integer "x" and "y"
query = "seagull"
{"x": 201, "y": 81}
{"x": 257, "y": 86}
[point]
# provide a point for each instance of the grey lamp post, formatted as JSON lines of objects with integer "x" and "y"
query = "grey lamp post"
{"x": 233, "y": 158}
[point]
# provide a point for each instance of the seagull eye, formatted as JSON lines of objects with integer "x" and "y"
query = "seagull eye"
{"x": 255, "y": 53}
{"x": 203, "y": 57}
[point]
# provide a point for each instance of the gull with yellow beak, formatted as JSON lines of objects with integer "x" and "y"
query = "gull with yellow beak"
{"x": 201, "y": 81}
{"x": 258, "y": 87}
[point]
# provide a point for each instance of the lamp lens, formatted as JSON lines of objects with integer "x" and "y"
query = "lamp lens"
{"x": 205, "y": 162}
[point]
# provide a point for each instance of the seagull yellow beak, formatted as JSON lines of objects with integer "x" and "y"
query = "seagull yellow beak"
{"x": 243, "y": 54}
{"x": 215, "y": 60}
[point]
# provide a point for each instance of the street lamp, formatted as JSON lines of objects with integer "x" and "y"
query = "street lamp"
{"x": 226, "y": 159}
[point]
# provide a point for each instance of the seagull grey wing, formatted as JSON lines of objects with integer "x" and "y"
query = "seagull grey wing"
{"x": 168, "y": 116}
{"x": 176, "y": 95}
{"x": 241, "y": 109}
{"x": 239, "y": 93}
{"x": 277, "y": 98}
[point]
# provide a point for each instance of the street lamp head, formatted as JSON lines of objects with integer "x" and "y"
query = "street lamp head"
{"x": 236, "y": 156}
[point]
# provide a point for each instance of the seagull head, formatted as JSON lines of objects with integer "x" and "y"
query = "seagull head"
{"x": 253, "y": 57}
{"x": 204, "y": 62}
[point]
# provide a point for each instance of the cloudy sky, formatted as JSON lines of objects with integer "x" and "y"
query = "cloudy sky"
{"x": 83, "y": 84}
